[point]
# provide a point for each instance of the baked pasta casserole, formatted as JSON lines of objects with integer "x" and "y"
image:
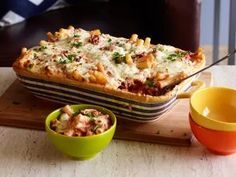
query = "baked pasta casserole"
{"x": 130, "y": 68}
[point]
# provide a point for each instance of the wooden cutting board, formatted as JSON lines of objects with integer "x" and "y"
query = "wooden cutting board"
{"x": 19, "y": 108}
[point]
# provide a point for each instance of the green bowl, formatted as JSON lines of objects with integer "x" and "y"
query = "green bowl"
{"x": 81, "y": 148}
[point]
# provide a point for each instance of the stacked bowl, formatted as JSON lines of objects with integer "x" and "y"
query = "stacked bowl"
{"x": 213, "y": 119}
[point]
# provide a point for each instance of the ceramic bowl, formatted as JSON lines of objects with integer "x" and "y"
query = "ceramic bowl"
{"x": 218, "y": 142}
{"x": 81, "y": 148}
{"x": 214, "y": 108}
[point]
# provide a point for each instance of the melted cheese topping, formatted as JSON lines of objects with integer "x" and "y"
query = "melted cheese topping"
{"x": 77, "y": 53}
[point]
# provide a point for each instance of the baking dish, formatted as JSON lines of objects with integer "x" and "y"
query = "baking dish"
{"x": 123, "y": 107}
{"x": 127, "y": 76}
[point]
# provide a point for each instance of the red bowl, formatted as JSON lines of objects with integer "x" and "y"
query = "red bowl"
{"x": 218, "y": 142}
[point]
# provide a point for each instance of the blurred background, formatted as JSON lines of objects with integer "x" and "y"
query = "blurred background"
{"x": 216, "y": 36}
{"x": 186, "y": 24}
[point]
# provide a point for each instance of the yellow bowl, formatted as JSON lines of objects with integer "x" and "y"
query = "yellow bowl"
{"x": 214, "y": 108}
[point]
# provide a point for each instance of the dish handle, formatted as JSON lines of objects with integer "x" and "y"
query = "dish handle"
{"x": 197, "y": 84}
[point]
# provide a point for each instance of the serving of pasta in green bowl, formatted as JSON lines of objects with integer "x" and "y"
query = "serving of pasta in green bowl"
{"x": 80, "y": 131}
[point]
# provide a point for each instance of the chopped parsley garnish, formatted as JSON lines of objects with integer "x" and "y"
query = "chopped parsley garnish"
{"x": 109, "y": 40}
{"x": 38, "y": 49}
{"x": 90, "y": 115}
{"x": 76, "y": 35}
{"x": 116, "y": 55}
{"x": 71, "y": 57}
{"x": 172, "y": 57}
{"x": 150, "y": 83}
{"x": 121, "y": 45}
{"x": 160, "y": 48}
{"x": 176, "y": 55}
{"x": 43, "y": 47}
{"x": 75, "y": 113}
{"x": 118, "y": 58}
{"x": 76, "y": 44}
{"x": 63, "y": 61}
{"x": 96, "y": 127}
{"x": 68, "y": 59}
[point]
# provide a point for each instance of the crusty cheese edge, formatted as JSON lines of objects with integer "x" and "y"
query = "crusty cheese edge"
{"x": 60, "y": 78}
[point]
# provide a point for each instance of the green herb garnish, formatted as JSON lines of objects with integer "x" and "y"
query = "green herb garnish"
{"x": 118, "y": 58}
{"x": 68, "y": 59}
{"x": 160, "y": 48}
{"x": 76, "y": 44}
{"x": 62, "y": 61}
{"x": 172, "y": 57}
{"x": 121, "y": 45}
{"x": 176, "y": 55}
{"x": 116, "y": 55}
{"x": 76, "y": 35}
{"x": 96, "y": 127}
{"x": 109, "y": 40}
{"x": 71, "y": 57}
{"x": 90, "y": 115}
{"x": 150, "y": 83}
{"x": 75, "y": 113}
{"x": 40, "y": 48}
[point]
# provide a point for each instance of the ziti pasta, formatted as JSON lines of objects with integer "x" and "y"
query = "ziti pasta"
{"x": 129, "y": 68}
{"x": 86, "y": 122}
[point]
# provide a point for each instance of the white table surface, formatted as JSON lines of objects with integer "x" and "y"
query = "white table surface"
{"x": 29, "y": 153}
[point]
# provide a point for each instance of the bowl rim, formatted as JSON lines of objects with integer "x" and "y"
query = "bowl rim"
{"x": 114, "y": 119}
{"x": 208, "y": 129}
{"x": 206, "y": 121}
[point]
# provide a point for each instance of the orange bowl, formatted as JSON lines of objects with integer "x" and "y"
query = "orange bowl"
{"x": 218, "y": 142}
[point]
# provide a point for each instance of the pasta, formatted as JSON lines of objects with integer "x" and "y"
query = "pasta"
{"x": 140, "y": 42}
{"x": 77, "y": 76}
{"x": 168, "y": 80}
{"x": 134, "y": 38}
{"x": 128, "y": 59}
{"x": 86, "y": 122}
{"x": 145, "y": 62}
{"x": 147, "y": 42}
{"x": 95, "y": 32}
{"x": 100, "y": 67}
{"x": 98, "y": 77}
{"x": 115, "y": 65}
{"x": 67, "y": 109}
